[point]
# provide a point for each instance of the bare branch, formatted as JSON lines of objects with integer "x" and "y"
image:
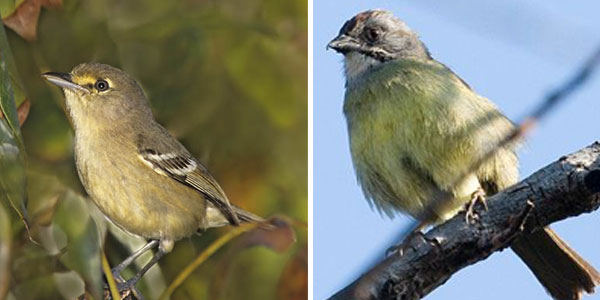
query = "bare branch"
{"x": 565, "y": 188}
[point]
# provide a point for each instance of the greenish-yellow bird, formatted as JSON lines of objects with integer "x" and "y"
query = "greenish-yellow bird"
{"x": 139, "y": 175}
{"x": 415, "y": 127}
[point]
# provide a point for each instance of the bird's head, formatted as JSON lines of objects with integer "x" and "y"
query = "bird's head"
{"x": 374, "y": 37}
{"x": 96, "y": 91}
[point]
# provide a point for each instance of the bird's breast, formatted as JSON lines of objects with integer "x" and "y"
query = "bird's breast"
{"x": 131, "y": 194}
{"x": 406, "y": 135}
{"x": 382, "y": 140}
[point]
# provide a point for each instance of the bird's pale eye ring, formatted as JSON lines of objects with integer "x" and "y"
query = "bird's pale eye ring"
{"x": 101, "y": 85}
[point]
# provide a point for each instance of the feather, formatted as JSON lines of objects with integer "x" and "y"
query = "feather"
{"x": 188, "y": 171}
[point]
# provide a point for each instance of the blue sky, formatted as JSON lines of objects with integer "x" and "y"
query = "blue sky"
{"x": 512, "y": 52}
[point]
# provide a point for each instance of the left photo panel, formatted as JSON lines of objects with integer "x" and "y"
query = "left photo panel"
{"x": 154, "y": 150}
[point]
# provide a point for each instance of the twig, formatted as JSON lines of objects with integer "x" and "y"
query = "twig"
{"x": 114, "y": 292}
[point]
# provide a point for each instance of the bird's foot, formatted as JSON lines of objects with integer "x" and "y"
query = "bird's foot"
{"x": 471, "y": 215}
{"x": 116, "y": 274}
{"x": 406, "y": 243}
{"x": 126, "y": 288}
{"x": 126, "y": 285}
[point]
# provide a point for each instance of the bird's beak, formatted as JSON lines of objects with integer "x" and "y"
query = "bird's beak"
{"x": 344, "y": 44}
{"x": 63, "y": 80}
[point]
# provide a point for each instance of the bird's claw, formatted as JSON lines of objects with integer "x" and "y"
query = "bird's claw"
{"x": 405, "y": 244}
{"x": 125, "y": 285}
{"x": 477, "y": 197}
{"x": 117, "y": 276}
{"x": 126, "y": 288}
{"x": 396, "y": 249}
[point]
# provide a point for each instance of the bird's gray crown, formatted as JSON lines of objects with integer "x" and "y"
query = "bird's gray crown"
{"x": 379, "y": 35}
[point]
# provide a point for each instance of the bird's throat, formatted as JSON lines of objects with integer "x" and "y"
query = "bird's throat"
{"x": 357, "y": 65}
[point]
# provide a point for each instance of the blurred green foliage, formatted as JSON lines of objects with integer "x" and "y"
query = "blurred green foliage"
{"x": 12, "y": 161}
{"x": 228, "y": 78}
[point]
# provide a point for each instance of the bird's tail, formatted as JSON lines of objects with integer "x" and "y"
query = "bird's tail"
{"x": 246, "y": 216}
{"x": 563, "y": 273}
{"x": 215, "y": 218}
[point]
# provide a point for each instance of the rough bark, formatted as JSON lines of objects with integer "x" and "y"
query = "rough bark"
{"x": 563, "y": 189}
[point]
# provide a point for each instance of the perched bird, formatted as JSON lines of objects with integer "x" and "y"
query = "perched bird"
{"x": 415, "y": 127}
{"x": 138, "y": 174}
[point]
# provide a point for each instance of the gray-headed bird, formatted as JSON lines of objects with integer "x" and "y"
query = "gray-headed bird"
{"x": 415, "y": 127}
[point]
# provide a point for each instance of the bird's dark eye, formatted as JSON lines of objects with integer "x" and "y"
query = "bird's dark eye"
{"x": 372, "y": 34}
{"x": 101, "y": 85}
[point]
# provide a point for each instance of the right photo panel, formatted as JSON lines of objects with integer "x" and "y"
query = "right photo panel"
{"x": 455, "y": 150}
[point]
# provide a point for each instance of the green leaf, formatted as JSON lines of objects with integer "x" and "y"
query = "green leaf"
{"x": 12, "y": 159}
{"x": 7, "y": 7}
{"x": 10, "y": 87}
{"x": 82, "y": 253}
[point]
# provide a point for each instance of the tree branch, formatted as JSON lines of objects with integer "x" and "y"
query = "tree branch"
{"x": 565, "y": 188}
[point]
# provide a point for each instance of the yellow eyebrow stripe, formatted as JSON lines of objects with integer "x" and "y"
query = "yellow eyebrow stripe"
{"x": 86, "y": 79}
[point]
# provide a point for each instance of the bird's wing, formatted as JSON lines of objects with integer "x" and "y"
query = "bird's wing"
{"x": 179, "y": 165}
